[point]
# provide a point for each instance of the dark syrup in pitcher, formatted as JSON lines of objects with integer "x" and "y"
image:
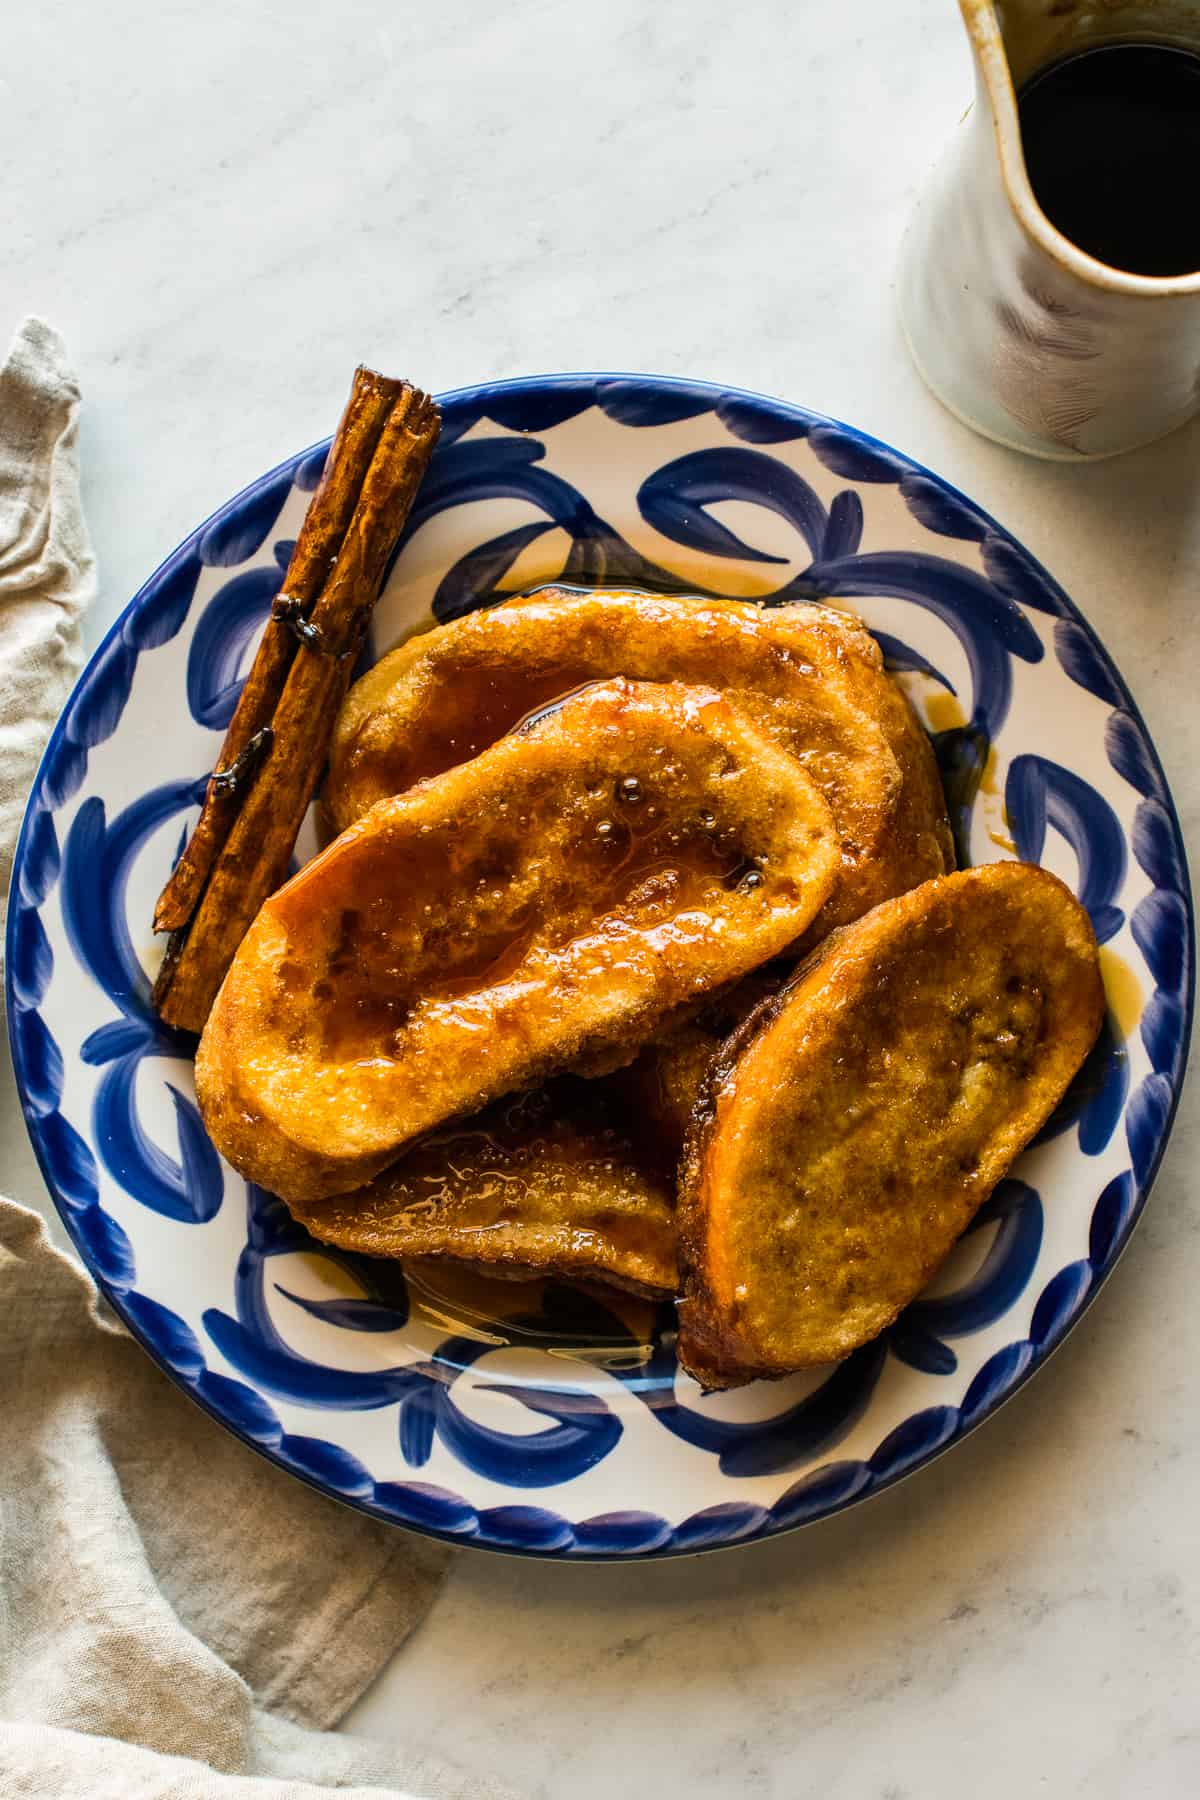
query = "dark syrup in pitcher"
{"x": 1112, "y": 147}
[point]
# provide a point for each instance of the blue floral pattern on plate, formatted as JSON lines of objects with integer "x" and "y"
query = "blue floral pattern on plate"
{"x": 558, "y": 1425}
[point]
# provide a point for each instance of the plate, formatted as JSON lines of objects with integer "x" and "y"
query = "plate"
{"x": 530, "y": 1418}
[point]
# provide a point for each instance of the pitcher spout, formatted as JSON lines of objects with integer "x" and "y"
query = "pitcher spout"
{"x": 1019, "y": 331}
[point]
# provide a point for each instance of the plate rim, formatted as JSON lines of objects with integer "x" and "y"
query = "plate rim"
{"x": 710, "y": 392}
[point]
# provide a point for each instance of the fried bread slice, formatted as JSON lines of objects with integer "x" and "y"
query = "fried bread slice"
{"x": 810, "y": 676}
{"x": 918, "y": 843}
{"x": 634, "y": 848}
{"x": 916, "y": 846}
{"x": 851, "y": 1128}
{"x": 544, "y": 1183}
{"x": 660, "y": 1087}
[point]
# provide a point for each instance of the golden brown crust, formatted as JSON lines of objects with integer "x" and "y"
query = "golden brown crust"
{"x": 557, "y": 896}
{"x": 922, "y": 843}
{"x": 810, "y": 676}
{"x": 548, "y": 1183}
{"x": 917, "y": 843}
{"x": 916, "y": 846}
{"x": 851, "y": 1128}
{"x": 660, "y": 1087}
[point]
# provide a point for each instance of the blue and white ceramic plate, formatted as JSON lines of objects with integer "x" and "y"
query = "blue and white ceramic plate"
{"x": 527, "y": 1418}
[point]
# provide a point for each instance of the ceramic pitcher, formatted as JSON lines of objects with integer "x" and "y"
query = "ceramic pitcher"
{"x": 1023, "y": 335}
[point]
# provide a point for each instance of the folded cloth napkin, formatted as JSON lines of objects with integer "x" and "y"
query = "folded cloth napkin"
{"x": 178, "y": 1619}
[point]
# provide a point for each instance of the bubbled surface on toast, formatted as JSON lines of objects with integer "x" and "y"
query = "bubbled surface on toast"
{"x": 546, "y": 1183}
{"x": 855, "y": 1124}
{"x": 633, "y": 849}
{"x": 809, "y": 676}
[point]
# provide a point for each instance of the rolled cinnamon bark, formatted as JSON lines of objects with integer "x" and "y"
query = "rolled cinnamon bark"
{"x": 253, "y": 830}
{"x": 329, "y": 512}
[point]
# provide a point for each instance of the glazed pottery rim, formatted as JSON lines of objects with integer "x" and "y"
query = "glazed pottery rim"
{"x": 711, "y": 393}
{"x": 996, "y": 89}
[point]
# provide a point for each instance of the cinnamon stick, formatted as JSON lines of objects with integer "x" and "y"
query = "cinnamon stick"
{"x": 329, "y": 512}
{"x": 252, "y": 860}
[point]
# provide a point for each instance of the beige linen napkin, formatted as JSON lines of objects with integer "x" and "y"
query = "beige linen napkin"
{"x": 178, "y": 1619}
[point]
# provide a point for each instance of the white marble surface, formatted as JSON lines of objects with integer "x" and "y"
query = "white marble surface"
{"x": 224, "y": 206}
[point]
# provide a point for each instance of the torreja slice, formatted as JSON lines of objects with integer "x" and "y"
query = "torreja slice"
{"x": 811, "y": 677}
{"x": 630, "y": 850}
{"x": 548, "y": 1183}
{"x": 855, "y": 1123}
